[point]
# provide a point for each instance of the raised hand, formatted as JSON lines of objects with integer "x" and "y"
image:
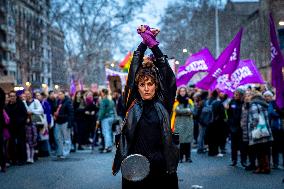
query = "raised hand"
{"x": 148, "y": 35}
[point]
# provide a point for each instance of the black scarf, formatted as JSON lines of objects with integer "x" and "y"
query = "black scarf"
{"x": 183, "y": 100}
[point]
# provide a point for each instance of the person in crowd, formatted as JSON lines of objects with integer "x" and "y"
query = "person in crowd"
{"x": 18, "y": 114}
{"x": 3, "y": 124}
{"x": 195, "y": 123}
{"x": 224, "y": 128}
{"x": 44, "y": 147}
{"x": 215, "y": 127}
{"x": 234, "y": 122}
{"x": 149, "y": 97}
{"x": 105, "y": 118}
{"x": 261, "y": 146}
{"x": 200, "y": 100}
{"x": 63, "y": 123}
{"x": 31, "y": 139}
{"x": 98, "y": 130}
{"x": 182, "y": 122}
{"x": 118, "y": 99}
{"x": 274, "y": 114}
{"x": 119, "y": 111}
{"x": 245, "y": 148}
{"x": 79, "y": 105}
{"x": 90, "y": 116}
{"x": 53, "y": 104}
{"x": 36, "y": 112}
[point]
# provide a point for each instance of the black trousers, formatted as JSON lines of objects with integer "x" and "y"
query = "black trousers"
{"x": 2, "y": 154}
{"x": 277, "y": 146}
{"x": 18, "y": 147}
{"x": 51, "y": 138}
{"x": 153, "y": 182}
{"x": 185, "y": 149}
{"x": 261, "y": 151}
{"x": 237, "y": 145}
{"x": 248, "y": 151}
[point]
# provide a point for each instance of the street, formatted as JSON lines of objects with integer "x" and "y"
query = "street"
{"x": 93, "y": 171}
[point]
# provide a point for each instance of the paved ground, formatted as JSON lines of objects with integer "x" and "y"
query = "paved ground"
{"x": 93, "y": 171}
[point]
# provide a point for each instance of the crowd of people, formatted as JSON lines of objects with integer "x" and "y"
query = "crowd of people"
{"x": 215, "y": 119}
{"x": 152, "y": 118}
{"x": 34, "y": 125}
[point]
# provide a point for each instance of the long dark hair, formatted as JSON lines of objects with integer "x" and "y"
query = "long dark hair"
{"x": 183, "y": 99}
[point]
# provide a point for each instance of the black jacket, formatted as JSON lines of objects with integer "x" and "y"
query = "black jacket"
{"x": 66, "y": 112}
{"x": 163, "y": 105}
{"x": 234, "y": 115}
{"x": 18, "y": 115}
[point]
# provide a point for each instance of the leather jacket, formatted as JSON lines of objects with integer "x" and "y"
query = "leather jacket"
{"x": 163, "y": 105}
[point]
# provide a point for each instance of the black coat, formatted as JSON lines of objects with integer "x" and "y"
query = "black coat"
{"x": 234, "y": 115}
{"x": 66, "y": 113}
{"x": 18, "y": 116}
{"x": 163, "y": 105}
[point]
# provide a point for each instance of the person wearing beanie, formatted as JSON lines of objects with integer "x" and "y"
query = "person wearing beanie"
{"x": 261, "y": 145}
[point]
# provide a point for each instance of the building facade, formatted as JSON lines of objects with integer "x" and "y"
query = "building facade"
{"x": 8, "y": 68}
{"x": 253, "y": 17}
{"x": 256, "y": 38}
{"x": 26, "y": 38}
{"x": 59, "y": 69}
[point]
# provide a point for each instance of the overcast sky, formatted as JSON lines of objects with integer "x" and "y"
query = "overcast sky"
{"x": 151, "y": 15}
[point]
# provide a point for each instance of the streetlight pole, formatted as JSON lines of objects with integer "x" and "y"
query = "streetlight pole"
{"x": 217, "y": 28}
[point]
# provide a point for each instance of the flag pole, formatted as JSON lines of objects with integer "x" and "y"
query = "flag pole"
{"x": 217, "y": 28}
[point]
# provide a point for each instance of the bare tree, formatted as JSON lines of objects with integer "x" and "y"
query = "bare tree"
{"x": 91, "y": 28}
{"x": 187, "y": 24}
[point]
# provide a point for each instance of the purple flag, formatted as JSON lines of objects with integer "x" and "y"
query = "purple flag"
{"x": 228, "y": 55}
{"x": 229, "y": 68}
{"x": 277, "y": 62}
{"x": 72, "y": 87}
{"x": 198, "y": 62}
{"x": 246, "y": 73}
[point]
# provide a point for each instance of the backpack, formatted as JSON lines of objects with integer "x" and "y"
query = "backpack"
{"x": 206, "y": 115}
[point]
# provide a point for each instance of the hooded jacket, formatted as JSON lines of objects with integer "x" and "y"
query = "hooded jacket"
{"x": 258, "y": 106}
{"x": 163, "y": 105}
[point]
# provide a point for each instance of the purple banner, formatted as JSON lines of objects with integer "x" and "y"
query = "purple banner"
{"x": 246, "y": 73}
{"x": 277, "y": 62}
{"x": 72, "y": 87}
{"x": 228, "y": 55}
{"x": 198, "y": 62}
